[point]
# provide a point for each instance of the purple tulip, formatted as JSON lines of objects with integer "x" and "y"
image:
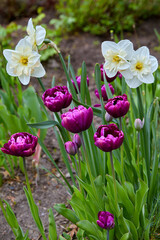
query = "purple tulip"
{"x": 20, "y": 144}
{"x": 117, "y": 106}
{"x": 107, "y": 78}
{"x": 103, "y": 91}
{"x": 78, "y": 79}
{"x": 108, "y": 137}
{"x": 105, "y": 220}
{"x": 77, "y": 140}
{"x": 77, "y": 119}
{"x": 71, "y": 147}
{"x": 57, "y": 98}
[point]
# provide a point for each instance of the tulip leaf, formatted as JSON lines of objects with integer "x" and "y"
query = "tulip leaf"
{"x": 90, "y": 228}
{"x": 44, "y": 125}
{"x": 125, "y": 236}
{"x": 67, "y": 213}
{"x": 122, "y": 197}
{"x": 52, "y": 226}
{"x": 140, "y": 199}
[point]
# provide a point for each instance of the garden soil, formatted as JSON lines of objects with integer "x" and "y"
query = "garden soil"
{"x": 81, "y": 47}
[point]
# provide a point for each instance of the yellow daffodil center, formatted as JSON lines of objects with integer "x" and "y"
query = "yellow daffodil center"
{"x": 139, "y": 66}
{"x": 24, "y": 60}
{"x": 116, "y": 58}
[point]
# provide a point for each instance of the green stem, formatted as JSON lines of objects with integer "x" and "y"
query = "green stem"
{"x": 107, "y": 234}
{"x": 138, "y": 149}
{"x": 88, "y": 167}
{"x": 114, "y": 181}
{"x": 41, "y": 84}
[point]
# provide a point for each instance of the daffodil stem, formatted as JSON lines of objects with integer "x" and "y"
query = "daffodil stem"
{"x": 114, "y": 181}
{"x": 122, "y": 160}
{"x": 41, "y": 84}
{"x": 107, "y": 234}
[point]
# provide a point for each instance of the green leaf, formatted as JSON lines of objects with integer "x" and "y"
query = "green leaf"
{"x": 44, "y": 125}
{"x": 140, "y": 200}
{"x": 90, "y": 228}
{"x": 125, "y": 236}
{"x": 67, "y": 213}
{"x": 52, "y": 226}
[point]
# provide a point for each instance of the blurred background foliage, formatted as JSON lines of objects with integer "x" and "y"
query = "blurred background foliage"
{"x": 64, "y": 17}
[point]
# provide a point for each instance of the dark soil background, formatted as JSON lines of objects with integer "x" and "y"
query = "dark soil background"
{"x": 81, "y": 47}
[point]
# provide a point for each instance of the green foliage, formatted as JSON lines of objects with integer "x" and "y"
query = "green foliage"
{"x": 98, "y": 17}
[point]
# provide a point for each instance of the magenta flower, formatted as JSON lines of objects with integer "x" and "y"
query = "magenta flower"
{"x": 77, "y": 119}
{"x": 77, "y": 140}
{"x": 20, "y": 144}
{"x": 108, "y": 137}
{"x": 57, "y": 98}
{"x": 117, "y": 106}
{"x": 78, "y": 79}
{"x": 107, "y": 78}
{"x": 71, "y": 147}
{"x": 103, "y": 91}
{"x": 105, "y": 220}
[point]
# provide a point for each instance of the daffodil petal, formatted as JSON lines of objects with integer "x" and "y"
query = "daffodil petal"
{"x": 38, "y": 71}
{"x": 30, "y": 27}
{"x": 24, "y": 79}
{"x": 40, "y": 35}
{"x": 126, "y": 46}
{"x": 127, "y": 74}
{"x": 133, "y": 83}
{"x": 149, "y": 78}
{"x": 142, "y": 52}
{"x": 154, "y": 63}
{"x": 107, "y": 45}
{"x": 8, "y": 54}
{"x": 10, "y": 70}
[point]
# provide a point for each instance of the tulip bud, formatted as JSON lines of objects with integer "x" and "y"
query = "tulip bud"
{"x": 108, "y": 117}
{"x": 77, "y": 140}
{"x": 139, "y": 124}
{"x": 105, "y": 220}
{"x": 71, "y": 147}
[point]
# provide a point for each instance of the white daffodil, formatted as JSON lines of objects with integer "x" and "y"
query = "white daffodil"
{"x": 142, "y": 67}
{"x": 116, "y": 56}
{"x": 23, "y": 62}
{"x": 36, "y": 35}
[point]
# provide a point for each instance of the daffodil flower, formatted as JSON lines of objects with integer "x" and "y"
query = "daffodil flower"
{"x": 36, "y": 35}
{"x": 142, "y": 67}
{"x": 117, "y": 56}
{"x": 23, "y": 62}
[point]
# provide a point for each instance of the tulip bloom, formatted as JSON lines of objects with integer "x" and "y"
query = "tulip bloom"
{"x": 108, "y": 137}
{"x": 117, "y": 106}
{"x": 20, "y": 144}
{"x": 77, "y": 119}
{"x": 103, "y": 91}
{"x": 77, "y": 140}
{"x": 71, "y": 147}
{"x": 57, "y": 98}
{"x": 105, "y": 220}
{"x": 78, "y": 79}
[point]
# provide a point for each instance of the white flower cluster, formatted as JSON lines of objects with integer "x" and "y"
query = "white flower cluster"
{"x": 137, "y": 67}
{"x": 24, "y": 61}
